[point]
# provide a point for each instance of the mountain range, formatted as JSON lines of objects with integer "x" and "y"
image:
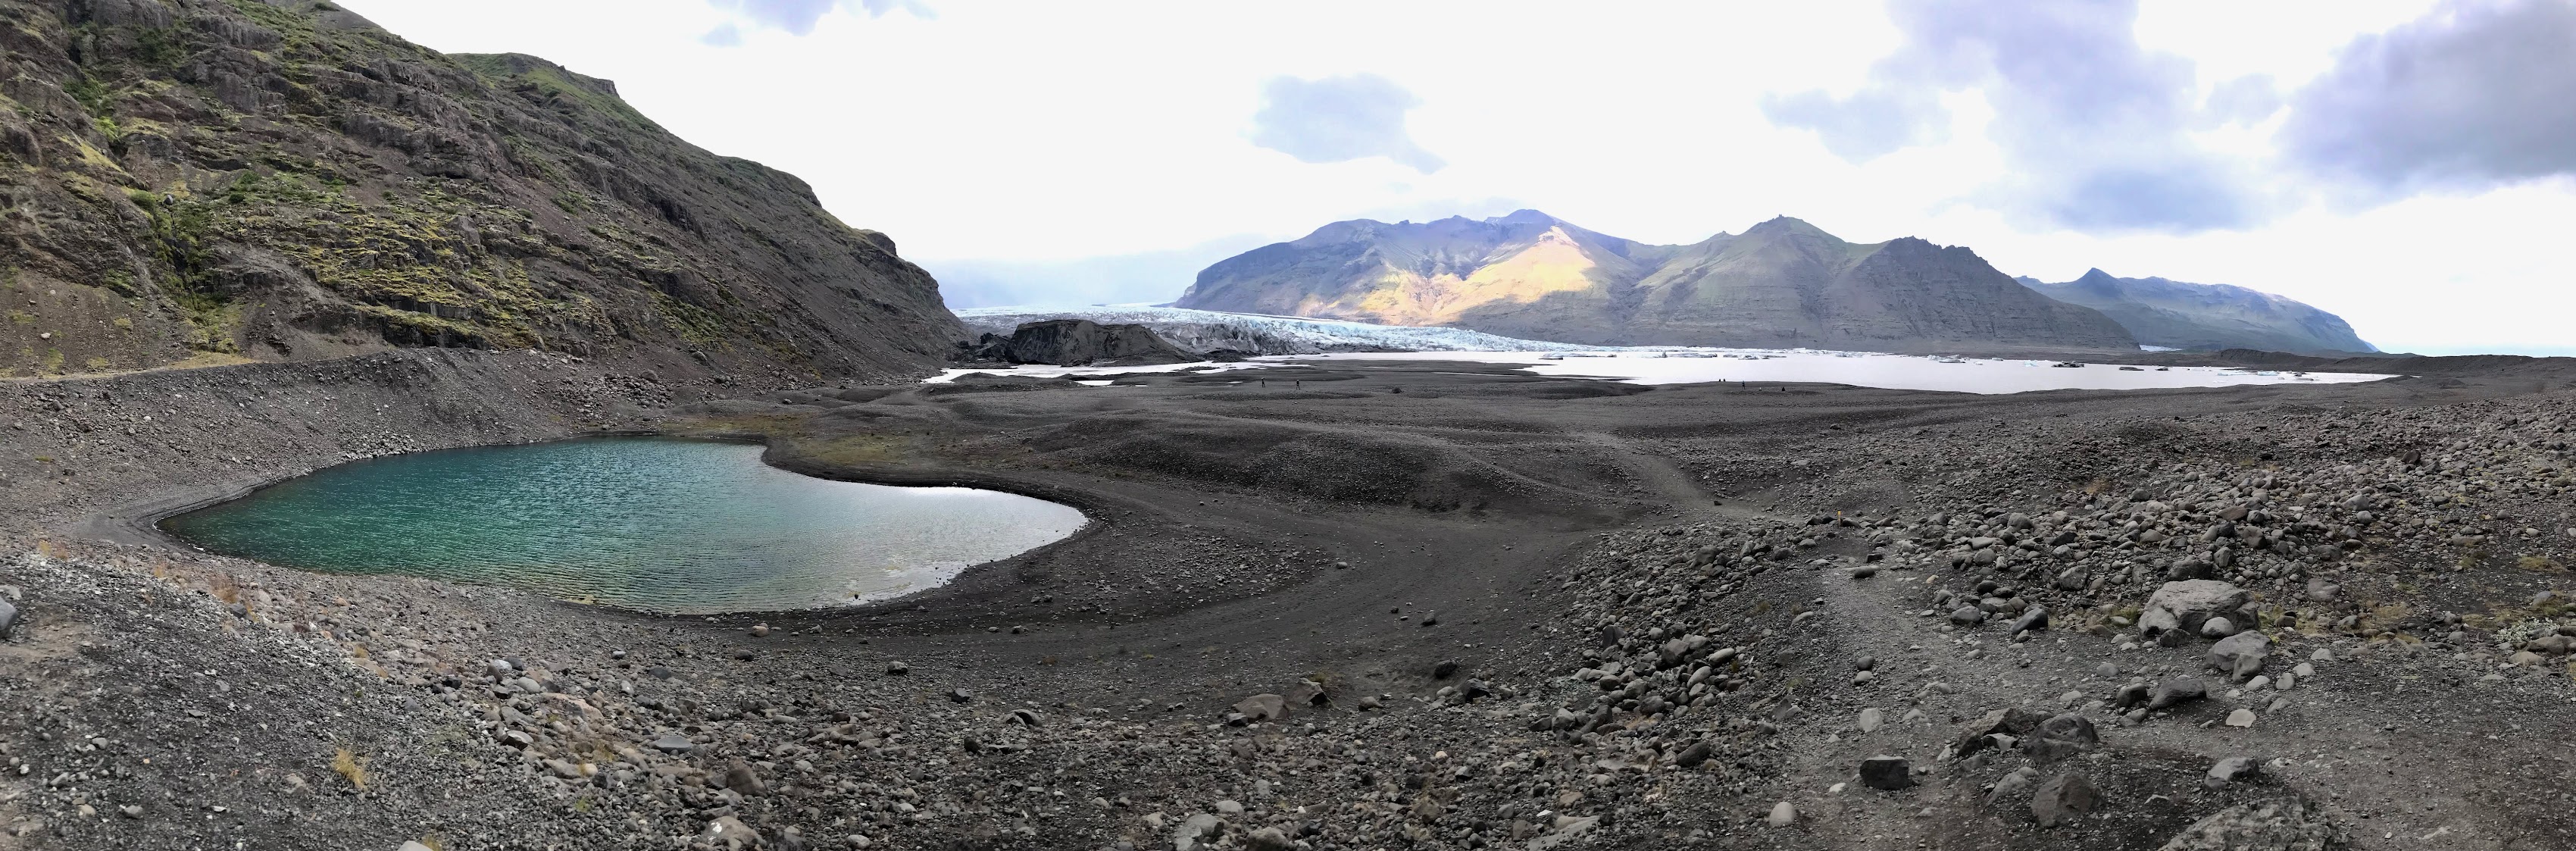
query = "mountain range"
{"x": 1782, "y": 283}
{"x": 2181, "y": 315}
{"x": 283, "y": 180}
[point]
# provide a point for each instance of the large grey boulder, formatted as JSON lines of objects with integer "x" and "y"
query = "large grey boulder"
{"x": 2321, "y": 591}
{"x": 2185, "y": 605}
{"x": 1262, "y": 707}
{"x": 1197, "y": 830}
{"x": 1980, "y": 734}
{"x": 729, "y": 832}
{"x": 2013, "y": 787}
{"x": 2230, "y": 770}
{"x": 2172, "y": 693}
{"x": 1268, "y": 839}
{"x": 2240, "y": 655}
{"x": 2064, "y": 798}
{"x": 739, "y": 777}
{"x": 2061, "y": 737}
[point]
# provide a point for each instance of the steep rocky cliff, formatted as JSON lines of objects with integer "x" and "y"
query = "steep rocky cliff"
{"x": 2207, "y": 317}
{"x": 1782, "y": 283}
{"x": 281, "y": 179}
{"x": 1076, "y": 342}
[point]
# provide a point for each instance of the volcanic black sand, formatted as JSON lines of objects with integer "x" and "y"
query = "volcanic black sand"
{"x": 1382, "y": 605}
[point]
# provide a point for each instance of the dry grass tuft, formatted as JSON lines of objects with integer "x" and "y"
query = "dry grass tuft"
{"x": 346, "y": 764}
{"x": 2387, "y": 615}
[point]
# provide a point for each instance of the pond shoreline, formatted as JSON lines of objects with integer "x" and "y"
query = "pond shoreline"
{"x": 654, "y": 522}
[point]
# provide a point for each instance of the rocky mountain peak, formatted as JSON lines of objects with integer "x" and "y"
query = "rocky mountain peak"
{"x": 1525, "y": 217}
{"x": 1784, "y": 224}
{"x": 1784, "y": 282}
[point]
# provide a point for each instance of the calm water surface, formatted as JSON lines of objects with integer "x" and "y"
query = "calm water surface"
{"x": 1687, "y": 366}
{"x": 1861, "y": 369}
{"x": 657, "y": 524}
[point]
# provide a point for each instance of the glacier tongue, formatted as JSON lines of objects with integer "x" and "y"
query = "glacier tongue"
{"x": 1323, "y": 341}
{"x": 1204, "y": 331}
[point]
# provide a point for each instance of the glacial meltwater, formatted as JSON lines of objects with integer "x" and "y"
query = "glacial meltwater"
{"x": 1672, "y": 365}
{"x": 656, "y": 524}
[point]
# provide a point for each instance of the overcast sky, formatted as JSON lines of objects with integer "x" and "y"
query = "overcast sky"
{"x": 2404, "y": 163}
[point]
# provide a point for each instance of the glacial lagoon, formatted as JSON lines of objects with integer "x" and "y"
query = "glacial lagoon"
{"x": 647, "y": 523}
{"x": 1687, "y": 366}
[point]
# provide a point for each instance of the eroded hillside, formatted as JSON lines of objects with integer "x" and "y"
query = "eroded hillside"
{"x": 283, "y": 180}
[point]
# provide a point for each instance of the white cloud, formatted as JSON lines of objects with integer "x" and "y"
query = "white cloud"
{"x": 2480, "y": 93}
{"x": 799, "y": 17}
{"x": 2097, "y": 126}
{"x": 1339, "y": 119}
{"x": 1868, "y": 124}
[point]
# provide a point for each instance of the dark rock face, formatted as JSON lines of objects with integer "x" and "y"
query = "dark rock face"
{"x": 1078, "y": 342}
{"x": 2064, "y": 798}
{"x": 283, "y": 180}
{"x": 2061, "y": 737}
{"x": 1887, "y": 772}
{"x": 1530, "y": 275}
{"x": 2207, "y": 317}
{"x": 1216, "y": 336}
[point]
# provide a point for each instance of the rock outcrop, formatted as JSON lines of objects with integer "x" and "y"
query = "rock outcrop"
{"x": 2207, "y": 317}
{"x": 1078, "y": 342}
{"x": 283, "y": 180}
{"x": 1783, "y": 283}
{"x": 2188, "y": 604}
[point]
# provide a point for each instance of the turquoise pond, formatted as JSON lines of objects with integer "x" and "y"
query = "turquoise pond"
{"x": 655, "y": 524}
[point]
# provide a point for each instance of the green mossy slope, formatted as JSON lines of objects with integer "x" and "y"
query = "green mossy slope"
{"x": 284, "y": 180}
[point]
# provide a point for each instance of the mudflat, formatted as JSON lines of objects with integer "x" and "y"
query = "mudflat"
{"x": 1379, "y": 604}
